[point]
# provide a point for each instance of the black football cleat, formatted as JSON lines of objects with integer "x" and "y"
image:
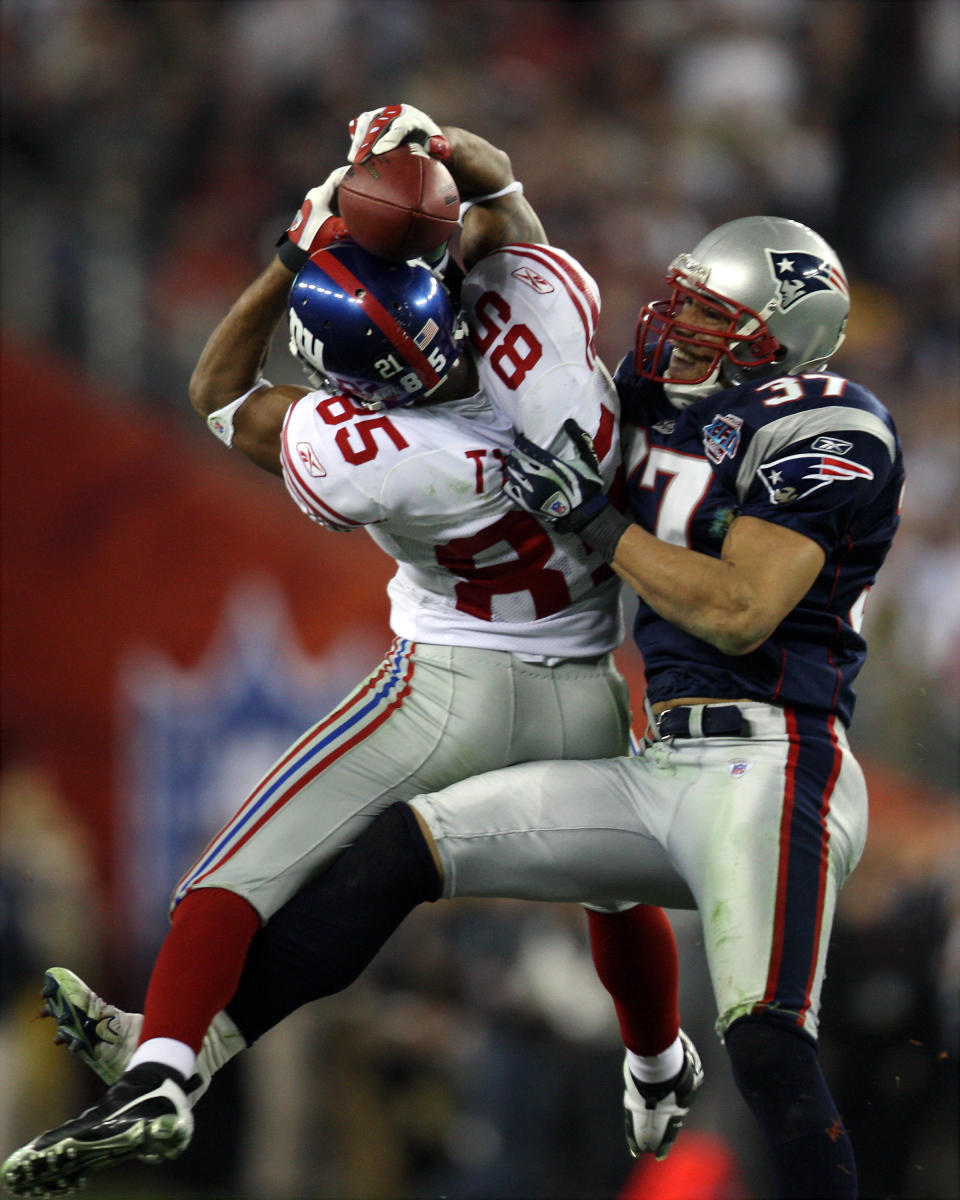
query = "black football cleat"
{"x": 145, "y": 1115}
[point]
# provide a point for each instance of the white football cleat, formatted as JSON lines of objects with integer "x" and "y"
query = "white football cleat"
{"x": 654, "y": 1112}
{"x": 104, "y": 1036}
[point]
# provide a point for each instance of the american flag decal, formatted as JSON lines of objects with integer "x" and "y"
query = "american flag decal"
{"x": 427, "y": 334}
{"x": 800, "y": 274}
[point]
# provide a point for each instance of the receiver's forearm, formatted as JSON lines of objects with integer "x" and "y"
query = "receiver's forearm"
{"x": 233, "y": 357}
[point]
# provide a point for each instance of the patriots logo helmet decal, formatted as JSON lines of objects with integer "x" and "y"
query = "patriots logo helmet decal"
{"x": 800, "y": 274}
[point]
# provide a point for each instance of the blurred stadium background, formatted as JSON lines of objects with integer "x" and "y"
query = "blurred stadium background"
{"x": 170, "y": 621}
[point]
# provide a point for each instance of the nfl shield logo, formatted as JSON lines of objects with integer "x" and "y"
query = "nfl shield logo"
{"x": 195, "y": 740}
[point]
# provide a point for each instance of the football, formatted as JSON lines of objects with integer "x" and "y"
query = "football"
{"x": 399, "y": 204}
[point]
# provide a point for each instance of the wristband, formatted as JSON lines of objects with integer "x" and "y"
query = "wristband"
{"x": 603, "y": 532}
{"x": 437, "y": 260}
{"x": 220, "y": 423}
{"x": 293, "y": 257}
{"x": 290, "y": 254}
{"x": 465, "y": 207}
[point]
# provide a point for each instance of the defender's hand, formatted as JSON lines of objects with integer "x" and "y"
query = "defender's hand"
{"x": 315, "y": 224}
{"x": 568, "y": 493}
{"x": 383, "y": 129}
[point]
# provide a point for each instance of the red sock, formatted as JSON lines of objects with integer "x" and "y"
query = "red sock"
{"x": 199, "y": 964}
{"x": 635, "y": 955}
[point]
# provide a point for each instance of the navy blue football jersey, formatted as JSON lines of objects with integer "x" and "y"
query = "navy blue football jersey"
{"x": 814, "y": 452}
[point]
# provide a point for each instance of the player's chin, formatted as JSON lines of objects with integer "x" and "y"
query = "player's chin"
{"x": 689, "y": 368}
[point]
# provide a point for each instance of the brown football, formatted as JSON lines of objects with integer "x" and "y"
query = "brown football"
{"x": 400, "y": 204}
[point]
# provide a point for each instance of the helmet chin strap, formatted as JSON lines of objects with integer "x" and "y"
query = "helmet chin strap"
{"x": 681, "y": 395}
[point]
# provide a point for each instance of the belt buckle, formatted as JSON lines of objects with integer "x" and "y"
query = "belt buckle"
{"x": 677, "y": 708}
{"x": 704, "y": 724}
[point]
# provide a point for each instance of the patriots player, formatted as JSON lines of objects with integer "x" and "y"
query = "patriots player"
{"x": 503, "y": 626}
{"x": 764, "y": 493}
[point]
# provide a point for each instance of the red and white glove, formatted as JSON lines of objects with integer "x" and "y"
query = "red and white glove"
{"x": 315, "y": 224}
{"x": 383, "y": 129}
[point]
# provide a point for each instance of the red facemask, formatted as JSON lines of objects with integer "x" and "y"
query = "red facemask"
{"x": 743, "y": 337}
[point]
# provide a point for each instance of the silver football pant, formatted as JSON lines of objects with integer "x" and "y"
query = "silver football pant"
{"x": 427, "y": 717}
{"x": 758, "y": 832}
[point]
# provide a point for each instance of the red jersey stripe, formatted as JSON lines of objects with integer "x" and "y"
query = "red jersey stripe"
{"x": 572, "y": 269}
{"x": 783, "y": 870}
{"x": 576, "y": 286}
{"x": 292, "y": 473}
{"x": 572, "y": 281}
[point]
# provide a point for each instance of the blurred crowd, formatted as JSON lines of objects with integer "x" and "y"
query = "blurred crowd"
{"x": 153, "y": 152}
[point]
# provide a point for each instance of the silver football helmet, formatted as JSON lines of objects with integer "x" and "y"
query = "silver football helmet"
{"x": 756, "y": 298}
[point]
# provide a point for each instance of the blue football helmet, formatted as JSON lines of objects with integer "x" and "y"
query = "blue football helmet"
{"x": 384, "y": 333}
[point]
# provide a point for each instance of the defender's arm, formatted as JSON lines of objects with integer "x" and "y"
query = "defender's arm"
{"x": 734, "y": 602}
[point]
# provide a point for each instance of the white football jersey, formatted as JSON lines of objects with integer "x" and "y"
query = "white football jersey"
{"x": 426, "y": 482}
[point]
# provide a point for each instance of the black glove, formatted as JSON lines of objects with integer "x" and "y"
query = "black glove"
{"x": 568, "y": 494}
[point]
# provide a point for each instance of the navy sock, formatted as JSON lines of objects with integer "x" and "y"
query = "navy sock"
{"x": 779, "y": 1076}
{"x": 322, "y": 938}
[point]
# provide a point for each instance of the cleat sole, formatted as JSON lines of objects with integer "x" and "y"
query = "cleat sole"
{"x": 67, "y": 1166}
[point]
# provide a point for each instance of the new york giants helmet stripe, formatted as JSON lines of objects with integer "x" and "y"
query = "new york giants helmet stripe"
{"x": 337, "y": 733}
{"x": 408, "y": 349}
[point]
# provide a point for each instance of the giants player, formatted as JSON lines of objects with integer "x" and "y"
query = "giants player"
{"x": 504, "y": 628}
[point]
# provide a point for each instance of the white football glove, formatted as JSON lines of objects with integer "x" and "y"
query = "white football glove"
{"x": 315, "y": 224}
{"x": 383, "y": 129}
